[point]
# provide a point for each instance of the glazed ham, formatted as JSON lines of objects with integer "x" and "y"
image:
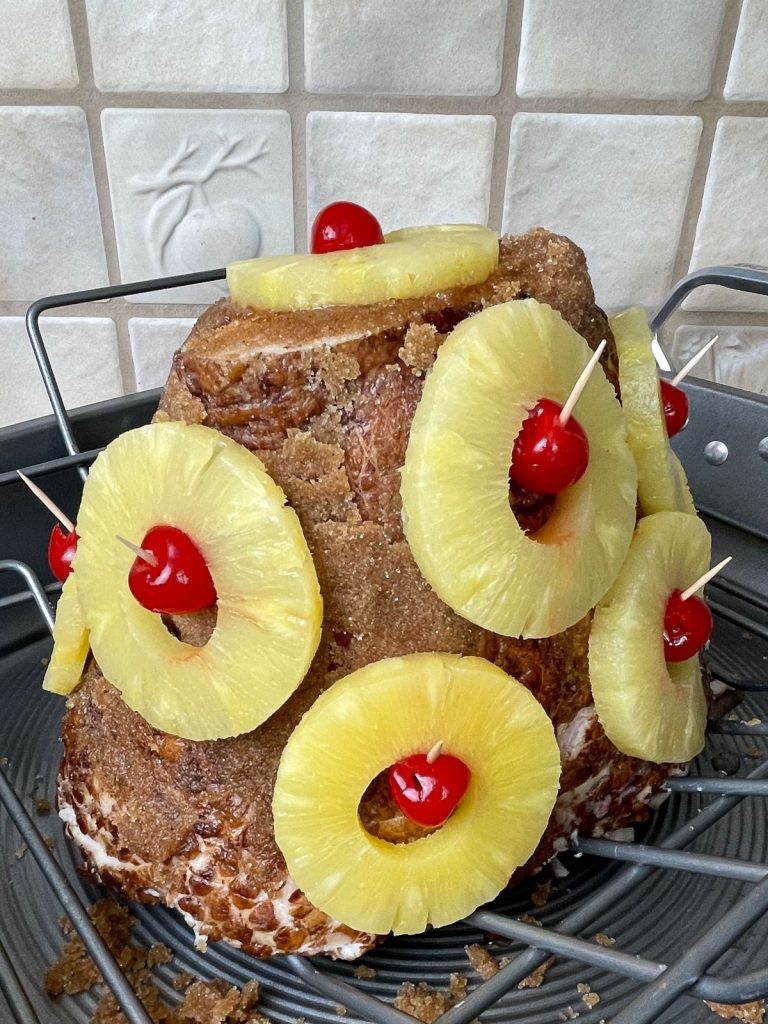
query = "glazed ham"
{"x": 325, "y": 398}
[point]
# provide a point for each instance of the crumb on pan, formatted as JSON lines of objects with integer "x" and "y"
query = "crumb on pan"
{"x": 540, "y": 895}
{"x": 426, "y": 1003}
{"x": 482, "y": 961}
{"x": 536, "y": 978}
{"x": 604, "y": 940}
{"x": 748, "y": 1013}
{"x": 204, "y": 1002}
{"x": 588, "y": 997}
{"x": 365, "y": 972}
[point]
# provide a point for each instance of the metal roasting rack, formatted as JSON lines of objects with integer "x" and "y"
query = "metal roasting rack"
{"x": 687, "y": 922}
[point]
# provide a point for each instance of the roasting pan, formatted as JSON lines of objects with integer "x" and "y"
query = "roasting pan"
{"x": 686, "y": 902}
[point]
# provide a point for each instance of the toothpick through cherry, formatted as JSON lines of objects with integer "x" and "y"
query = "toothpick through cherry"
{"x": 48, "y": 502}
{"x": 580, "y": 384}
{"x": 705, "y": 578}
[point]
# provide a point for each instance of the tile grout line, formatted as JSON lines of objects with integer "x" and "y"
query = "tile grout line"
{"x": 93, "y": 106}
{"x": 505, "y": 108}
{"x": 710, "y": 119}
{"x": 298, "y": 101}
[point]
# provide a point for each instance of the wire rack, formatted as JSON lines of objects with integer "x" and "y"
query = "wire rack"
{"x": 607, "y": 874}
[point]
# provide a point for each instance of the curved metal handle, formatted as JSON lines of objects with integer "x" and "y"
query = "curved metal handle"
{"x": 741, "y": 277}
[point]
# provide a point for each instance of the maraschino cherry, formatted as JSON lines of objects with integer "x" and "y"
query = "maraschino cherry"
{"x": 61, "y": 550}
{"x": 687, "y": 626}
{"x": 548, "y": 456}
{"x": 428, "y": 791}
{"x": 551, "y": 451}
{"x": 344, "y": 226}
{"x": 179, "y": 581}
{"x": 675, "y": 403}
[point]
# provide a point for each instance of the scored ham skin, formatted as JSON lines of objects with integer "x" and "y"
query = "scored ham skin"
{"x": 325, "y": 398}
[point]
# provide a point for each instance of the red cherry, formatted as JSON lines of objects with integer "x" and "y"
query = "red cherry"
{"x": 547, "y": 456}
{"x": 687, "y": 627}
{"x": 61, "y": 551}
{"x": 675, "y": 404}
{"x": 428, "y": 793}
{"x": 180, "y": 582}
{"x": 344, "y": 226}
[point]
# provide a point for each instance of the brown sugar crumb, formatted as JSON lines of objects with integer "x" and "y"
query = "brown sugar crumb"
{"x": 540, "y": 895}
{"x": 426, "y": 1003}
{"x": 530, "y": 919}
{"x": 341, "y": 1011}
{"x": 482, "y": 961}
{"x": 215, "y": 1002}
{"x": 43, "y": 806}
{"x": 204, "y": 1002}
{"x": 420, "y": 346}
{"x": 364, "y": 972}
{"x": 19, "y": 852}
{"x": 75, "y": 971}
{"x": 568, "y": 1014}
{"x": 748, "y": 1013}
{"x": 588, "y": 997}
{"x": 604, "y": 940}
{"x": 536, "y": 978}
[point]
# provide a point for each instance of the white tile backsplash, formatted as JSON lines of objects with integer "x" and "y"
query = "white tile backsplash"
{"x": 616, "y": 184}
{"x": 145, "y": 139}
{"x": 402, "y": 48}
{"x": 36, "y": 48}
{"x": 50, "y": 231}
{"x": 748, "y": 71}
{"x": 189, "y": 45}
{"x": 153, "y": 343}
{"x": 400, "y": 166}
{"x": 619, "y": 48}
{"x": 739, "y": 357}
{"x": 733, "y": 225}
{"x": 84, "y": 355}
{"x": 197, "y": 189}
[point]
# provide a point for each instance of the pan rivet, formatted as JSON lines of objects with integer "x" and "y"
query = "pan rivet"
{"x": 762, "y": 449}
{"x": 716, "y": 452}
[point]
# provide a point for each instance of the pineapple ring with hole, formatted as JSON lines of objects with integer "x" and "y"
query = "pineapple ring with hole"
{"x": 375, "y": 717}
{"x": 410, "y": 263}
{"x": 492, "y": 369}
{"x": 648, "y": 707}
{"x": 269, "y": 608}
{"x": 70, "y": 642}
{"x": 660, "y": 487}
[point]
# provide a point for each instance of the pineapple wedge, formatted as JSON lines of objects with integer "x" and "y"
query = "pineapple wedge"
{"x": 489, "y": 373}
{"x": 660, "y": 486}
{"x": 377, "y": 716}
{"x": 411, "y": 262}
{"x": 70, "y": 642}
{"x": 269, "y": 605}
{"x": 650, "y": 708}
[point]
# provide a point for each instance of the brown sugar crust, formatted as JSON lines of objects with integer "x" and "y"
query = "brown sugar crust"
{"x": 325, "y": 398}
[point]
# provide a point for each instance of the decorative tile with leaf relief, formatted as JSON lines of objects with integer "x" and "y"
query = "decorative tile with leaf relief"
{"x": 197, "y": 189}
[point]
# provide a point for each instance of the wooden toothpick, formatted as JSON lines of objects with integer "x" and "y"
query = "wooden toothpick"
{"x": 581, "y": 383}
{"x": 692, "y": 361}
{"x": 50, "y": 505}
{"x": 142, "y": 553}
{"x": 435, "y": 752}
{"x": 704, "y": 579}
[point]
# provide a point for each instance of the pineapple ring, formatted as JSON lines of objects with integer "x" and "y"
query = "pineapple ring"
{"x": 70, "y": 642}
{"x": 373, "y": 718}
{"x": 660, "y": 486}
{"x": 648, "y": 707}
{"x": 410, "y": 263}
{"x": 269, "y": 604}
{"x": 489, "y": 373}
